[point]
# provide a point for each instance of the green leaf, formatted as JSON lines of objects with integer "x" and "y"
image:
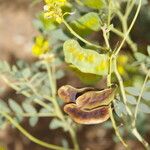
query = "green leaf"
{"x": 119, "y": 108}
{"x": 95, "y": 4}
{"x": 139, "y": 56}
{"x": 148, "y": 83}
{"x": 59, "y": 74}
{"x": 146, "y": 96}
{"x": 131, "y": 99}
{"x": 30, "y": 109}
{"x": 56, "y": 123}
{"x": 16, "y": 108}
{"x": 133, "y": 90}
{"x": 86, "y": 60}
{"x": 26, "y": 73}
{"x": 87, "y": 23}
{"x": 33, "y": 121}
{"x": 144, "y": 108}
{"x": 4, "y": 107}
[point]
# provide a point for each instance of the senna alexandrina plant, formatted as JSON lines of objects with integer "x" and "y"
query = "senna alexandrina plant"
{"x": 66, "y": 33}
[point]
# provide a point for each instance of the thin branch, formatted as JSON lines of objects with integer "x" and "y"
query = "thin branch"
{"x": 79, "y": 37}
{"x": 130, "y": 28}
{"x": 29, "y": 136}
{"x": 140, "y": 96}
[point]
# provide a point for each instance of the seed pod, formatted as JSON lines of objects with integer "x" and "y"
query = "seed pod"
{"x": 69, "y": 94}
{"x": 87, "y": 105}
{"x": 93, "y": 99}
{"x": 94, "y": 116}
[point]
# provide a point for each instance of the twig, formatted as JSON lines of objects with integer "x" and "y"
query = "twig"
{"x": 116, "y": 129}
{"x": 29, "y": 136}
{"x": 139, "y": 98}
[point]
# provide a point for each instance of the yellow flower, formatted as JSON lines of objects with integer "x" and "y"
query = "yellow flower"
{"x": 122, "y": 61}
{"x": 40, "y": 47}
{"x": 53, "y": 10}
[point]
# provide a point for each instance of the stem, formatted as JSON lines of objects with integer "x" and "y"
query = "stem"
{"x": 29, "y": 136}
{"x": 133, "y": 130}
{"x": 79, "y": 37}
{"x": 16, "y": 88}
{"x": 116, "y": 129}
{"x": 53, "y": 99}
{"x": 74, "y": 139}
{"x": 36, "y": 114}
{"x": 130, "y": 28}
{"x": 139, "y": 98}
{"x": 132, "y": 45}
{"x": 129, "y": 8}
{"x": 121, "y": 87}
{"x": 105, "y": 37}
{"x": 57, "y": 108}
{"x": 140, "y": 138}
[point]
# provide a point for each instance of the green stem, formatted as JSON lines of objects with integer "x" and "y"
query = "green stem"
{"x": 16, "y": 88}
{"x": 74, "y": 139}
{"x": 133, "y": 130}
{"x": 79, "y": 37}
{"x": 140, "y": 138}
{"x": 121, "y": 87}
{"x": 105, "y": 36}
{"x": 116, "y": 129}
{"x": 132, "y": 45}
{"x": 36, "y": 114}
{"x": 53, "y": 99}
{"x": 129, "y": 8}
{"x": 139, "y": 98}
{"x": 57, "y": 108}
{"x": 29, "y": 136}
{"x": 130, "y": 28}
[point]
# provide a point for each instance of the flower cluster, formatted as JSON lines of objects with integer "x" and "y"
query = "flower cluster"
{"x": 41, "y": 46}
{"x": 53, "y": 10}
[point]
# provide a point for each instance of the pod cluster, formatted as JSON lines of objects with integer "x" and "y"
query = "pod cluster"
{"x": 87, "y": 105}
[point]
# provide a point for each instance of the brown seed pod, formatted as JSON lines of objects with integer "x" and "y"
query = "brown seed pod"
{"x": 94, "y": 116}
{"x": 69, "y": 94}
{"x": 93, "y": 99}
{"x": 87, "y": 105}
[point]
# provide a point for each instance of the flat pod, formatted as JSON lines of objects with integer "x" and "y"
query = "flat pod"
{"x": 94, "y": 116}
{"x": 87, "y": 105}
{"x": 69, "y": 94}
{"x": 92, "y": 99}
